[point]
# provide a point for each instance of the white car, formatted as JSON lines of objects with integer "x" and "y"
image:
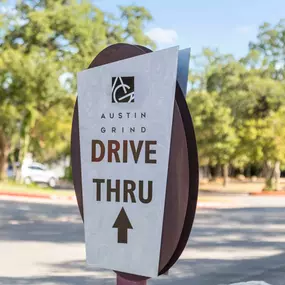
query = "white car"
{"x": 38, "y": 173}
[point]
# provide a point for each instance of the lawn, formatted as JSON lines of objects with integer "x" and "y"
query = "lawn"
{"x": 236, "y": 186}
{"x": 33, "y": 189}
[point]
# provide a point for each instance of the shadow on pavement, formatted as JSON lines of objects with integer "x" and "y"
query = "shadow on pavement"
{"x": 226, "y": 245}
{"x": 60, "y": 280}
{"x": 40, "y": 222}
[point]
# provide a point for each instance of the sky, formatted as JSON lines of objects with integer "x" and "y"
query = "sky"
{"x": 228, "y": 25}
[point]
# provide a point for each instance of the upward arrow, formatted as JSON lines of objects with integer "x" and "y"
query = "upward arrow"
{"x": 122, "y": 223}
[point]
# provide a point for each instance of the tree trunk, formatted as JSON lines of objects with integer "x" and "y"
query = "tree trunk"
{"x": 226, "y": 174}
{"x": 272, "y": 175}
{"x": 268, "y": 175}
{"x": 25, "y": 142}
{"x": 248, "y": 171}
{"x": 212, "y": 172}
{"x": 217, "y": 171}
{"x": 4, "y": 152}
{"x": 208, "y": 171}
{"x": 277, "y": 174}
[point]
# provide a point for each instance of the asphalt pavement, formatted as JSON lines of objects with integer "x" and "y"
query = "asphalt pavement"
{"x": 42, "y": 243}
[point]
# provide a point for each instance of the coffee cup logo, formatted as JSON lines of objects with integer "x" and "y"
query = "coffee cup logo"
{"x": 123, "y": 89}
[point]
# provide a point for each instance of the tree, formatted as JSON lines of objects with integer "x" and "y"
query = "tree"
{"x": 270, "y": 43}
{"x": 253, "y": 97}
{"x": 8, "y": 134}
{"x": 263, "y": 140}
{"x": 248, "y": 89}
{"x": 203, "y": 66}
{"x": 49, "y": 135}
{"x": 43, "y": 44}
{"x": 216, "y": 136}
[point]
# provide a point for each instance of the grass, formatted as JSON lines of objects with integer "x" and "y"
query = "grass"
{"x": 235, "y": 186}
{"x": 12, "y": 186}
{"x": 214, "y": 199}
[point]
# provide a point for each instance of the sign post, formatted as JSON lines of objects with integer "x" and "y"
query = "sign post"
{"x": 125, "y": 281}
{"x": 134, "y": 160}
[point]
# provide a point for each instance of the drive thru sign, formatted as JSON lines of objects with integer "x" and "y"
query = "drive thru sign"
{"x": 125, "y": 123}
{"x": 134, "y": 160}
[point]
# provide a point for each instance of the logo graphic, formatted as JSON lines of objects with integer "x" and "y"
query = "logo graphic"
{"x": 123, "y": 89}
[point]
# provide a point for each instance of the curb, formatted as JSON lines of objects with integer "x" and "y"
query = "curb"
{"x": 214, "y": 205}
{"x": 268, "y": 193}
{"x": 200, "y": 205}
{"x": 37, "y": 196}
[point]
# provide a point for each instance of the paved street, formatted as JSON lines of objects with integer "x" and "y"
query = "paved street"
{"x": 42, "y": 243}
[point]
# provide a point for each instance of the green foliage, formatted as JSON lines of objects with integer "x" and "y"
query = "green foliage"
{"x": 252, "y": 99}
{"x": 52, "y": 132}
{"x": 203, "y": 65}
{"x": 214, "y": 128}
{"x": 68, "y": 173}
{"x": 270, "y": 43}
{"x": 43, "y": 44}
{"x": 238, "y": 105}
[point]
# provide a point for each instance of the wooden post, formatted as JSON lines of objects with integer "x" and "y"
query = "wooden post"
{"x": 122, "y": 281}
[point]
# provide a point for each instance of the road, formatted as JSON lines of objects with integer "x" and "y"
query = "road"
{"x": 42, "y": 244}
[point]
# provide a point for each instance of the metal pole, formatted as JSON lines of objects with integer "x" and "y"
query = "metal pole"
{"x": 122, "y": 281}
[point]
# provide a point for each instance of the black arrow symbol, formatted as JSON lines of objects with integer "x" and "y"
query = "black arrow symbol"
{"x": 122, "y": 223}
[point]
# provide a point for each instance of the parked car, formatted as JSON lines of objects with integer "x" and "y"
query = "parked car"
{"x": 38, "y": 173}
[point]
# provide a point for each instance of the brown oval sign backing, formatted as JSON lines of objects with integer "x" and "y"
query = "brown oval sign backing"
{"x": 182, "y": 183}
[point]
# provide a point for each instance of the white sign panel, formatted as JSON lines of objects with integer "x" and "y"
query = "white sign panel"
{"x": 125, "y": 122}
